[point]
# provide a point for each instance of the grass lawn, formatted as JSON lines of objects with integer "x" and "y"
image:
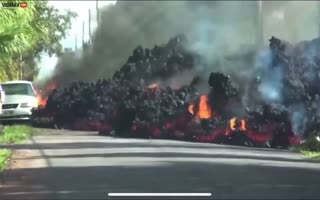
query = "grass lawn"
{"x": 10, "y": 135}
{"x": 311, "y": 148}
{"x": 311, "y": 154}
{"x": 4, "y": 156}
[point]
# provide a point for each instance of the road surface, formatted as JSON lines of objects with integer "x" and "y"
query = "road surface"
{"x": 61, "y": 164}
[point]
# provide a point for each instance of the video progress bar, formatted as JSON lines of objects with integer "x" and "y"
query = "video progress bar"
{"x": 159, "y": 194}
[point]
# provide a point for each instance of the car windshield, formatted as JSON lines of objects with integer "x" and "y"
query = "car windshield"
{"x": 18, "y": 89}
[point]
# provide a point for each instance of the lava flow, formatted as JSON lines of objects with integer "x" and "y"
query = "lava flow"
{"x": 153, "y": 85}
{"x": 233, "y": 124}
{"x": 41, "y": 100}
{"x": 204, "y": 111}
{"x": 42, "y": 94}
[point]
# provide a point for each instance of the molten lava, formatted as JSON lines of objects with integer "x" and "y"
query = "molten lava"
{"x": 190, "y": 108}
{"x": 233, "y": 121}
{"x": 204, "y": 111}
{"x": 153, "y": 85}
{"x": 42, "y": 100}
{"x": 42, "y": 96}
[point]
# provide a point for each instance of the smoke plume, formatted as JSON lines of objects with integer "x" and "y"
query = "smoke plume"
{"x": 126, "y": 25}
{"x": 222, "y": 32}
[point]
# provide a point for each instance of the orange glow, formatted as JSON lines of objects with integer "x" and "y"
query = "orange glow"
{"x": 243, "y": 125}
{"x": 43, "y": 97}
{"x": 190, "y": 108}
{"x": 51, "y": 86}
{"x": 42, "y": 100}
{"x": 153, "y": 85}
{"x": 204, "y": 111}
{"x": 232, "y": 123}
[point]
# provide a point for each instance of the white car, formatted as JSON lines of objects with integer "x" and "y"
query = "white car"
{"x": 20, "y": 98}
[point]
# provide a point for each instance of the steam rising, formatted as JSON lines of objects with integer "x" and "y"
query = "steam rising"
{"x": 297, "y": 117}
{"x": 272, "y": 77}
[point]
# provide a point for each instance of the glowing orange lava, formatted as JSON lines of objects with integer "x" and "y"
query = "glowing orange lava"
{"x": 204, "y": 111}
{"x": 232, "y": 123}
{"x": 42, "y": 97}
{"x": 243, "y": 125}
{"x": 153, "y": 85}
{"x": 190, "y": 108}
{"x": 42, "y": 100}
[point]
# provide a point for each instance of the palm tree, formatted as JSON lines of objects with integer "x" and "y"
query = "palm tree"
{"x": 16, "y": 36}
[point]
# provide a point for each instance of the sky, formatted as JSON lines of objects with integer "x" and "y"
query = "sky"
{"x": 82, "y": 9}
{"x": 47, "y": 64}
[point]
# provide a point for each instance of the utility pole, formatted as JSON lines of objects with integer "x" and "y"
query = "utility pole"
{"x": 76, "y": 43}
{"x": 260, "y": 36}
{"x": 89, "y": 21}
{"x": 318, "y": 21}
{"x": 83, "y": 34}
{"x": 97, "y": 11}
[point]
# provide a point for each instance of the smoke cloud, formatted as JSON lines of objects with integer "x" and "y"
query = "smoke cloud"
{"x": 223, "y": 33}
{"x": 128, "y": 24}
{"x": 216, "y": 29}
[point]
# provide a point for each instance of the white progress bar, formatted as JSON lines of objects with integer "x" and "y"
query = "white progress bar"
{"x": 159, "y": 194}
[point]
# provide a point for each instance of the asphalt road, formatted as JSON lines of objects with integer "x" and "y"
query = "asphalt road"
{"x": 81, "y": 165}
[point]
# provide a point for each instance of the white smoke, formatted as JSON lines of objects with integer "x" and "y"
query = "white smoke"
{"x": 46, "y": 67}
{"x": 298, "y": 119}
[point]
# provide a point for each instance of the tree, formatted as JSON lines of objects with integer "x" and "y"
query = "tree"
{"x": 52, "y": 26}
{"x": 16, "y": 36}
{"x": 26, "y": 33}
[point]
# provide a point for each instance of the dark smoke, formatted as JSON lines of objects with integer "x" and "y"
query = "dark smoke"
{"x": 124, "y": 26}
{"x": 217, "y": 30}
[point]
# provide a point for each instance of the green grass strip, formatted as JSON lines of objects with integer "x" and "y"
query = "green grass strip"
{"x": 311, "y": 154}
{"x": 10, "y": 135}
{"x": 15, "y": 134}
{"x": 4, "y": 156}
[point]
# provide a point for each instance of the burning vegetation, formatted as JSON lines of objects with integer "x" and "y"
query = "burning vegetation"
{"x": 134, "y": 104}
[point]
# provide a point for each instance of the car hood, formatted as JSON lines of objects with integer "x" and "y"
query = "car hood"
{"x": 16, "y": 99}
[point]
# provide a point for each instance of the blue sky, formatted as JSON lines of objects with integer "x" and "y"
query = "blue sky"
{"x": 47, "y": 63}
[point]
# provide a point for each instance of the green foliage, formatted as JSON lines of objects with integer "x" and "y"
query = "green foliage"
{"x": 311, "y": 154}
{"x": 4, "y": 156}
{"x": 311, "y": 144}
{"x": 27, "y": 32}
{"x": 14, "y": 134}
{"x": 16, "y": 34}
{"x": 310, "y": 147}
{"x": 52, "y": 25}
